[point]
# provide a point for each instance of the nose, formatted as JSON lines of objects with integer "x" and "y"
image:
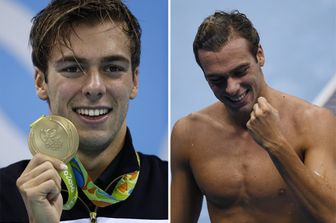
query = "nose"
{"x": 232, "y": 86}
{"x": 94, "y": 88}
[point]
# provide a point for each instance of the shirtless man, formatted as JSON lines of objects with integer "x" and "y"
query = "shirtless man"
{"x": 258, "y": 155}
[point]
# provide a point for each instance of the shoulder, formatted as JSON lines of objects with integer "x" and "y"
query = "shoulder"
{"x": 301, "y": 112}
{"x": 312, "y": 122}
{"x": 152, "y": 188}
{"x": 9, "y": 175}
{"x": 154, "y": 162}
{"x": 318, "y": 121}
{"x": 154, "y": 168}
{"x": 198, "y": 119}
{"x": 310, "y": 115}
{"x": 11, "y": 202}
{"x": 13, "y": 171}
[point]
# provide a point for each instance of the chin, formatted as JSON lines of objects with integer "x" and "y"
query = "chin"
{"x": 246, "y": 108}
{"x": 94, "y": 140}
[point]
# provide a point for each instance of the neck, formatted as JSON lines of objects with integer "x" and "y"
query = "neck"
{"x": 241, "y": 118}
{"x": 96, "y": 163}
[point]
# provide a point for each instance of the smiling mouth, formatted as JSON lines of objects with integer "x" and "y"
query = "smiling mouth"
{"x": 92, "y": 112}
{"x": 238, "y": 98}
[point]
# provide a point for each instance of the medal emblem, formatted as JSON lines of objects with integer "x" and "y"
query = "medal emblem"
{"x": 54, "y": 136}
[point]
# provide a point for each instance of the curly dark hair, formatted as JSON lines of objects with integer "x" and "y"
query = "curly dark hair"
{"x": 54, "y": 24}
{"x": 218, "y": 29}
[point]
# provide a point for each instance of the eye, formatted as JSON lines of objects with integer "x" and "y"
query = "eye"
{"x": 72, "y": 69}
{"x": 216, "y": 80}
{"x": 114, "y": 68}
{"x": 240, "y": 72}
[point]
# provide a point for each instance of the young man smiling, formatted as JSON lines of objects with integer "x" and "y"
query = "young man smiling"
{"x": 257, "y": 155}
{"x": 86, "y": 56}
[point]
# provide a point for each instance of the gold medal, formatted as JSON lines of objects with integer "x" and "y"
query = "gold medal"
{"x": 54, "y": 136}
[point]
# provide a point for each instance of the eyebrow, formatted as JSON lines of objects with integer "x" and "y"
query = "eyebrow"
{"x": 81, "y": 60}
{"x": 240, "y": 67}
{"x": 237, "y": 68}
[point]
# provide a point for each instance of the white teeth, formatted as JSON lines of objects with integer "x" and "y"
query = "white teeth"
{"x": 236, "y": 99}
{"x": 92, "y": 112}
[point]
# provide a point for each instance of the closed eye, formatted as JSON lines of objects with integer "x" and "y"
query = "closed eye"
{"x": 240, "y": 72}
{"x": 217, "y": 81}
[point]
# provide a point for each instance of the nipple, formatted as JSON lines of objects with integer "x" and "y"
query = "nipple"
{"x": 282, "y": 192}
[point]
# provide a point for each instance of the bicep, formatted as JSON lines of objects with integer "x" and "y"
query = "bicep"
{"x": 186, "y": 198}
{"x": 320, "y": 156}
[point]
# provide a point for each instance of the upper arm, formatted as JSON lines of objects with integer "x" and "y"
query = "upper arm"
{"x": 186, "y": 198}
{"x": 320, "y": 155}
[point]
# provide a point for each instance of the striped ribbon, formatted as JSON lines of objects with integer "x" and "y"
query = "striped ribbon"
{"x": 123, "y": 189}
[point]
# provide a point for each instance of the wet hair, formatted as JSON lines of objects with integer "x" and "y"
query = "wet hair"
{"x": 54, "y": 24}
{"x": 218, "y": 29}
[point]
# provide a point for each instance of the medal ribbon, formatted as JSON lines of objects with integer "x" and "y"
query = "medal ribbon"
{"x": 70, "y": 183}
{"x": 123, "y": 189}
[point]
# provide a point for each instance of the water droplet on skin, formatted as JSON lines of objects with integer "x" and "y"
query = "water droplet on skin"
{"x": 282, "y": 191}
{"x": 317, "y": 174}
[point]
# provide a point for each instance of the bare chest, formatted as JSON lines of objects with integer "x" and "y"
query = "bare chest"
{"x": 233, "y": 171}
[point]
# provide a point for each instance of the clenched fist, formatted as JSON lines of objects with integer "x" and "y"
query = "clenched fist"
{"x": 264, "y": 125}
{"x": 40, "y": 188}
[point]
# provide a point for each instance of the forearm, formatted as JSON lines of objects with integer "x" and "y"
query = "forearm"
{"x": 314, "y": 193}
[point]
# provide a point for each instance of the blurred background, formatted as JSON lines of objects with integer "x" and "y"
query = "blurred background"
{"x": 19, "y": 105}
{"x": 298, "y": 38}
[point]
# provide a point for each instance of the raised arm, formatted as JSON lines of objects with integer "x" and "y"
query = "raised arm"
{"x": 313, "y": 181}
{"x": 186, "y": 198}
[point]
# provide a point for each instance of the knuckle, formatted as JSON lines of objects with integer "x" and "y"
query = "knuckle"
{"x": 259, "y": 113}
{"x": 29, "y": 193}
{"x": 38, "y": 157}
{"x": 57, "y": 176}
{"x": 19, "y": 182}
{"x": 49, "y": 165}
{"x": 267, "y": 110}
{"x": 49, "y": 172}
{"x": 23, "y": 190}
{"x": 53, "y": 184}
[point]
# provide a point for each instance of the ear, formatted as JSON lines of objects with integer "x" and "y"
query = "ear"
{"x": 135, "y": 80}
{"x": 260, "y": 56}
{"x": 40, "y": 84}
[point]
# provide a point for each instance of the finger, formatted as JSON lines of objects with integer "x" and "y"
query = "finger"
{"x": 39, "y": 158}
{"x": 48, "y": 174}
{"x": 263, "y": 103}
{"x": 45, "y": 190}
{"x": 252, "y": 116}
{"x": 248, "y": 125}
{"x": 257, "y": 110}
{"x": 43, "y": 167}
